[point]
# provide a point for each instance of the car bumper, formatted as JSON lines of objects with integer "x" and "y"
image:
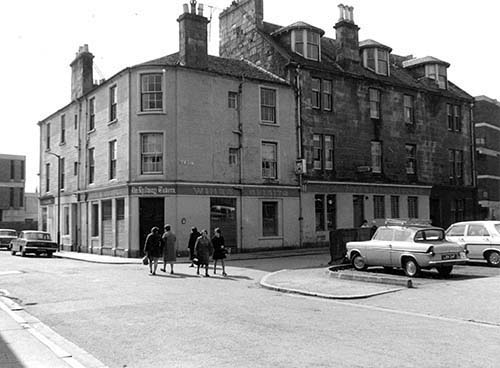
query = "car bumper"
{"x": 39, "y": 249}
{"x": 449, "y": 262}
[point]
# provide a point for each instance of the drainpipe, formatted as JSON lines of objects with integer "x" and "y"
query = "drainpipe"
{"x": 473, "y": 158}
{"x": 299, "y": 152}
{"x": 240, "y": 156}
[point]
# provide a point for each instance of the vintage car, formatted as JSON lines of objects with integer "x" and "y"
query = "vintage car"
{"x": 480, "y": 238}
{"x": 36, "y": 242}
{"x": 410, "y": 247}
{"x": 6, "y": 236}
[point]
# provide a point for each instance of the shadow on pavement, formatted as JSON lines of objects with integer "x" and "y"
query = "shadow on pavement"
{"x": 7, "y": 357}
{"x": 426, "y": 274}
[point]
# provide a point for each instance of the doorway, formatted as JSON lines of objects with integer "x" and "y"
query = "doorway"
{"x": 151, "y": 213}
{"x": 358, "y": 210}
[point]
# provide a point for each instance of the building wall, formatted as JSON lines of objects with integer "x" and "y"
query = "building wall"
{"x": 487, "y": 132}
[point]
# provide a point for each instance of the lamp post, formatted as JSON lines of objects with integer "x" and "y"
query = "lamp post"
{"x": 58, "y": 198}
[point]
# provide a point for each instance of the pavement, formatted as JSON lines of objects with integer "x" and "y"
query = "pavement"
{"x": 26, "y": 342}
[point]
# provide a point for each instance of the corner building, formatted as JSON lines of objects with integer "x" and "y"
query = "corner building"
{"x": 187, "y": 139}
{"x": 380, "y": 135}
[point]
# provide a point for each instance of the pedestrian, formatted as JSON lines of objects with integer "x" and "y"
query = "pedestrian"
{"x": 192, "y": 241}
{"x": 373, "y": 228}
{"x": 219, "y": 251}
{"x": 169, "y": 249}
{"x": 153, "y": 249}
{"x": 204, "y": 249}
{"x": 365, "y": 223}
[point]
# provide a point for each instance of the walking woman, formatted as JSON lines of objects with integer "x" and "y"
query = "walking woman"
{"x": 192, "y": 241}
{"x": 153, "y": 249}
{"x": 169, "y": 249}
{"x": 204, "y": 250}
{"x": 219, "y": 251}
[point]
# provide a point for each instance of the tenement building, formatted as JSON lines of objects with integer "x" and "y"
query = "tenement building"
{"x": 487, "y": 129}
{"x": 380, "y": 135}
{"x": 187, "y": 139}
{"x": 12, "y": 184}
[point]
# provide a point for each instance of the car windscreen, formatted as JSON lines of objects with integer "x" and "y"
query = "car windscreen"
{"x": 429, "y": 235}
{"x": 8, "y": 233}
{"x": 456, "y": 230}
{"x": 497, "y": 228}
{"x": 37, "y": 236}
{"x": 383, "y": 234}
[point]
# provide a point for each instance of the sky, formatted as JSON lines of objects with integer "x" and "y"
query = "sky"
{"x": 39, "y": 40}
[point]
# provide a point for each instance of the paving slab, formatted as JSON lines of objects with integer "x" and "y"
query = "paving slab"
{"x": 318, "y": 282}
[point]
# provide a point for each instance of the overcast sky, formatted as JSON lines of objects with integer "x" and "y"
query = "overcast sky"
{"x": 39, "y": 40}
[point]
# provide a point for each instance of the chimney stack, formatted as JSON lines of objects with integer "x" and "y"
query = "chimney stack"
{"x": 82, "y": 72}
{"x": 193, "y": 46}
{"x": 347, "y": 36}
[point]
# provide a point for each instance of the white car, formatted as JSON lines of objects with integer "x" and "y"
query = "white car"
{"x": 410, "y": 247}
{"x": 480, "y": 238}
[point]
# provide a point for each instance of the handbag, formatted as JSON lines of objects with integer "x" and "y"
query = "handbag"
{"x": 145, "y": 260}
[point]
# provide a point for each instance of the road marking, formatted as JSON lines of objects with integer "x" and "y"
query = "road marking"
{"x": 3, "y": 273}
{"x": 405, "y": 313}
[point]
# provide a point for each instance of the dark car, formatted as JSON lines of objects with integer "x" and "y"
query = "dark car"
{"x": 36, "y": 242}
{"x": 6, "y": 236}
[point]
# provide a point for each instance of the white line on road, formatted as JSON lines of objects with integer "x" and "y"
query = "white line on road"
{"x": 405, "y": 313}
{"x": 4, "y": 273}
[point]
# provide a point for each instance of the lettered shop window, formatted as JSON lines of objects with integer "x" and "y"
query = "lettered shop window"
{"x": 270, "y": 218}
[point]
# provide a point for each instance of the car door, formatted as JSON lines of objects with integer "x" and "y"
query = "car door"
{"x": 477, "y": 239}
{"x": 378, "y": 253}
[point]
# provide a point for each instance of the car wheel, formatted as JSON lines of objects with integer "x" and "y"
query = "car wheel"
{"x": 493, "y": 258}
{"x": 13, "y": 252}
{"x": 411, "y": 268}
{"x": 49, "y": 254}
{"x": 445, "y": 271}
{"x": 358, "y": 262}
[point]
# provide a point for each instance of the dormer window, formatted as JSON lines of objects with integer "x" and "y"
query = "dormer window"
{"x": 306, "y": 43}
{"x": 438, "y": 73}
{"x": 377, "y": 60}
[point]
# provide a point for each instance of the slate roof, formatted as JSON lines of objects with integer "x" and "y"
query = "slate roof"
{"x": 222, "y": 66}
{"x": 329, "y": 50}
{"x": 298, "y": 25}
{"x": 373, "y": 43}
{"x": 424, "y": 60}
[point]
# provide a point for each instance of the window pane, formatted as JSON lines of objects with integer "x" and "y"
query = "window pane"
{"x": 328, "y": 152}
{"x": 331, "y": 212}
{"x": 376, "y": 152}
{"x": 319, "y": 205}
{"x": 394, "y": 206}
{"x": 152, "y": 153}
{"x": 317, "y": 152}
{"x": 268, "y": 105}
{"x": 270, "y": 219}
{"x": 327, "y": 95}
{"x": 151, "y": 92}
{"x": 315, "y": 98}
{"x": 269, "y": 161}
{"x": 370, "y": 58}
{"x": 378, "y": 207}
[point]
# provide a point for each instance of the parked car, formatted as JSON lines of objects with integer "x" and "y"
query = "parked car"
{"x": 480, "y": 238}
{"x": 6, "y": 236}
{"x": 36, "y": 242}
{"x": 408, "y": 246}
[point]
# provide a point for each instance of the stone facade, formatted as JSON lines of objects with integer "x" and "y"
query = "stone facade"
{"x": 348, "y": 121}
{"x": 210, "y": 141}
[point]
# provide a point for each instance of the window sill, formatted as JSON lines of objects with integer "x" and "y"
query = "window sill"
{"x": 112, "y": 181}
{"x": 91, "y": 131}
{"x": 271, "y": 237}
{"x": 269, "y": 124}
{"x": 152, "y": 112}
{"x": 113, "y": 122}
{"x": 62, "y": 143}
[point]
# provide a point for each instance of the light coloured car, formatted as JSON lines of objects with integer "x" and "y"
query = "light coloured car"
{"x": 410, "y": 247}
{"x": 6, "y": 236}
{"x": 36, "y": 242}
{"x": 480, "y": 238}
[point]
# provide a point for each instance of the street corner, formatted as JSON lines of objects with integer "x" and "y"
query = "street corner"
{"x": 317, "y": 282}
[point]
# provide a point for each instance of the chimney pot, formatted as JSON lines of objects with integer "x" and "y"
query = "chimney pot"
{"x": 341, "y": 12}
{"x": 200, "y": 9}
{"x": 185, "y": 8}
{"x": 193, "y": 6}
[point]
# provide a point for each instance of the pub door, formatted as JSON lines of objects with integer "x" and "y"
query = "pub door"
{"x": 151, "y": 213}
